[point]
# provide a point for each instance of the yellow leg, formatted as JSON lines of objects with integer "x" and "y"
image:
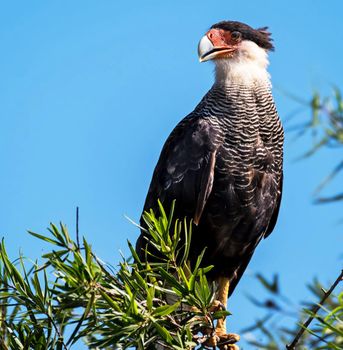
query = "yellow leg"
{"x": 221, "y": 339}
{"x": 222, "y": 295}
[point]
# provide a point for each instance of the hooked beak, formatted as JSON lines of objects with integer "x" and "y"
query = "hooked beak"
{"x": 207, "y": 50}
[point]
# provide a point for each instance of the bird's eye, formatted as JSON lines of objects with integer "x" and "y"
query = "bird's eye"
{"x": 236, "y": 35}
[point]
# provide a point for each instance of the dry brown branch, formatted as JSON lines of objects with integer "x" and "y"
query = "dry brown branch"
{"x": 314, "y": 311}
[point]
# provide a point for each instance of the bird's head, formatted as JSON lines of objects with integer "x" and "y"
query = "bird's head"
{"x": 227, "y": 39}
{"x": 234, "y": 45}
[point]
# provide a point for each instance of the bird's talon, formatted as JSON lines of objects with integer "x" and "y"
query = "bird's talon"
{"x": 230, "y": 338}
{"x": 217, "y": 306}
{"x": 222, "y": 341}
{"x": 226, "y": 341}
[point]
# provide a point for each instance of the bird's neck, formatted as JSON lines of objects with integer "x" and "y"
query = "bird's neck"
{"x": 248, "y": 67}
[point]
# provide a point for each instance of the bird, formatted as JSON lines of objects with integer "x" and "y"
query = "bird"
{"x": 223, "y": 163}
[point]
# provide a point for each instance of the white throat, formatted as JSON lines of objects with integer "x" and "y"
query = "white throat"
{"x": 247, "y": 67}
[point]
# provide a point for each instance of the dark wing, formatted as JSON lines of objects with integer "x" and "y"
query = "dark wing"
{"x": 185, "y": 168}
{"x": 249, "y": 253}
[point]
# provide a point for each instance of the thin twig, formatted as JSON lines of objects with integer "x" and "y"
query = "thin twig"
{"x": 335, "y": 198}
{"x": 314, "y": 311}
{"x": 77, "y": 228}
{"x": 60, "y": 337}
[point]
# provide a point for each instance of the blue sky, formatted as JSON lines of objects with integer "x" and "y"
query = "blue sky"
{"x": 90, "y": 91}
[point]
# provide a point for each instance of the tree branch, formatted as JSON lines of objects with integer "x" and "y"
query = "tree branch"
{"x": 335, "y": 198}
{"x": 314, "y": 310}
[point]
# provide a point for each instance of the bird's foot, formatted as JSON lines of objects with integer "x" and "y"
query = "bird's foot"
{"x": 217, "y": 306}
{"x": 222, "y": 341}
{"x": 227, "y": 340}
{"x": 217, "y": 337}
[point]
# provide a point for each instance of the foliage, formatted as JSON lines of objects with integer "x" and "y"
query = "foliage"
{"x": 73, "y": 296}
{"x": 326, "y": 127}
{"x": 280, "y": 323}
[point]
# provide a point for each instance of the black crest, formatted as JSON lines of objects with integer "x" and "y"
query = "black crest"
{"x": 260, "y": 36}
